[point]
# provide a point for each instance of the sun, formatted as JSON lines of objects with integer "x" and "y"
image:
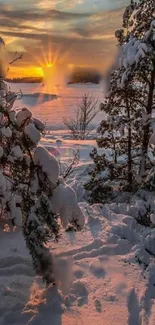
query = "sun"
{"x": 49, "y": 65}
{"x": 48, "y": 71}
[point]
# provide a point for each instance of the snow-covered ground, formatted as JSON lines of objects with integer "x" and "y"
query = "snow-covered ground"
{"x": 105, "y": 274}
{"x": 52, "y": 104}
{"x": 102, "y": 282}
{"x": 101, "y": 270}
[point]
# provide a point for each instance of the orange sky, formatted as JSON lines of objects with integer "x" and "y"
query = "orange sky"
{"x": 70, "y": 33}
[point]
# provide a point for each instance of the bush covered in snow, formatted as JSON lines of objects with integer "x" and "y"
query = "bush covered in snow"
{"x": 31, "y": 193}
{"x": 128, "y": 130}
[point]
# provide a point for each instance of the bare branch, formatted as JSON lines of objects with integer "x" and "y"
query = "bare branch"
{"x": 85, "y": 113}
{"x": 71, "y": 166}
{"x": 16, "y": 58}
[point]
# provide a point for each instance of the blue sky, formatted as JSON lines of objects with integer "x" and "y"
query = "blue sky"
{"x": 78, "y": 32}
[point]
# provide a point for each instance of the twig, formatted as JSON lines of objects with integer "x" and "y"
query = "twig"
{"x": 18, "y": 58}
{"x": 73, "y": 163}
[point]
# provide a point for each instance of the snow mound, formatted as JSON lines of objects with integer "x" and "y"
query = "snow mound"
{"x": 48, "y": 163}
{"x": 64, "y": 202}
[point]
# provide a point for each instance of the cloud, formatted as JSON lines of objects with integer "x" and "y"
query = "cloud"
{"x": 84, "y": 38}
{"x": 37, "y": 14}
{"x": 101, "y": 25}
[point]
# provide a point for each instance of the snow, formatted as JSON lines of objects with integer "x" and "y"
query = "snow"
{"x": 1, "y": 151}
{"x": 18, "y": 217}
{"x": 32, "y": 133}
{"x": 38, "y": 124}
{"x": 48, "y": 163}
{"x": 12, "y": 116}
{"x": 6, "y": 132}
{"x": 22, "y": 116}
{"x": 11, "y": 97}
{"x": 99, "y": 279}
{"x": 64, "y": 202}
{"x": 17, "y": 152}
{"x": 152, "y": 218}
{"x": 152, "y": 139}
{"x": 52, "y": 111}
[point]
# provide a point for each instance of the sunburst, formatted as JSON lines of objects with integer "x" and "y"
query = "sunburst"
{"x": 47, "y": 61}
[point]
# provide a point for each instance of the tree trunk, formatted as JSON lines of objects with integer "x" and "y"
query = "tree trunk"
{"x": 130, "y": 178}
{"x": 114, "y": 148}
{"x": 146, "y": 128}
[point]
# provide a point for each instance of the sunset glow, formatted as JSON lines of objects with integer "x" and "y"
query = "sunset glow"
{"x": 65, "y": 31}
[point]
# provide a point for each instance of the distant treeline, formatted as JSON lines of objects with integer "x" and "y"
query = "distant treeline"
{"x": 26, "y": 80}
{"x": 81, "y": 75}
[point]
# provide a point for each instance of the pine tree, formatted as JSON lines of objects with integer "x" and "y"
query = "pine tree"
{"x": 130, "y": 103}
{"x": 29, "y": 181}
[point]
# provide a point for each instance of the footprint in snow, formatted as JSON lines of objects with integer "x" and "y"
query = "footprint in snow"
{"x": 79, "y": 293}
{"x": 98, "y": 305}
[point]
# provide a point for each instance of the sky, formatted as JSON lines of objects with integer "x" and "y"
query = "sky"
{"x": 64, "y": 33}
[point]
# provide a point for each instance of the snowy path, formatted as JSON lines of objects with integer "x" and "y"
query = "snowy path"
{"x": 105, "y": 289}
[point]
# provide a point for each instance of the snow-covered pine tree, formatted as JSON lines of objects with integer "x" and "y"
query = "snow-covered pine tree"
{"x": 129, "y": 104}
{"x": 32, "y": 194}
